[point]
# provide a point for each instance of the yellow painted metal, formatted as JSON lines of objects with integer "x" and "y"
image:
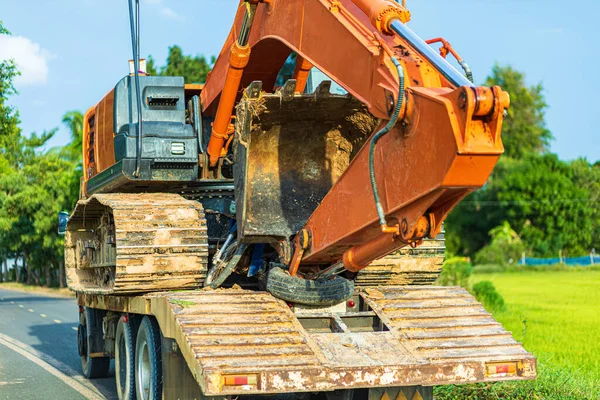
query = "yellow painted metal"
{"x": 417, "y": 396}
{"x": 431, "y": 335}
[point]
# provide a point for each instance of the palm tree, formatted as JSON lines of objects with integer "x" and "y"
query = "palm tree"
{"x": 74, "y": 121}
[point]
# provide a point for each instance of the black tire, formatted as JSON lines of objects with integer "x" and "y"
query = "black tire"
{"x": 148, "y": 361}
{"x": 90, "y": 327}
{"x": 125, "y": 357}
{"x": 320, "y": 292}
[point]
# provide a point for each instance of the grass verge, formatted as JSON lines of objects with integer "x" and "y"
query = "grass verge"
{"x": 52, "y": 292}
{"x": 552, "y": 384}
{"x": 555, "y": 314}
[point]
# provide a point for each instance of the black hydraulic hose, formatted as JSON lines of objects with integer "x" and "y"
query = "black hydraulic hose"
{"x": 137, "y": 28}
{"x": 198, "y": 123}
{"x": 136, "y": 66}
{"x": 379, "y": 135}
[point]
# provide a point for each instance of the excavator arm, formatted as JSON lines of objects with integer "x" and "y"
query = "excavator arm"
{"x": 436, "y": 140}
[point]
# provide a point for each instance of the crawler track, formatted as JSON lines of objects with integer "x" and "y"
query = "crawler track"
{"x": 408, "y": 267}
{"x": 134, "y": 243}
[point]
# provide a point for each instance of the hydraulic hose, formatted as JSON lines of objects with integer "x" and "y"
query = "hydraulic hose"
{"x": 382, "y": 133}
{"x": 467, "y": 70}
{"x": 198, "y": 123}
{"x": 134, "y": 25}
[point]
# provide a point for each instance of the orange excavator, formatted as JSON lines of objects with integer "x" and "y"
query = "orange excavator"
{"x": 285, "y": 190}
{"x": 325, "y": 184}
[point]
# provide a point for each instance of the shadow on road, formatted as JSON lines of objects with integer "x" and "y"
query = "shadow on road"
{"x": 59, "y": 341}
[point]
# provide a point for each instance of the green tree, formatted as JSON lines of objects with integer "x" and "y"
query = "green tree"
{"x": 74, "y": 121}
{"x": 456, "y": 272}
{"x": 34, "y": 186}
{"x": 587, "y": 177}
{"x": 193, "y": 69}
{"x": 540, "y": 198}
{"x": 505, "y": 248}
{"x": 547, "y": 201}
{"x": 10, "y": 135}
{"x": 524, "y": 129}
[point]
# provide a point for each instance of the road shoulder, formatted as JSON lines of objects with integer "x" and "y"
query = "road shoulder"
{"x": 37, "y": 290}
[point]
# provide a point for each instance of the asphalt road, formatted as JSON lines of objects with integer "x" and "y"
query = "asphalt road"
{"x": 38, "y": 350}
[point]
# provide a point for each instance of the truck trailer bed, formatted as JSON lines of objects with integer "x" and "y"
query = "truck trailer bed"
{"x": 236, "y": 341}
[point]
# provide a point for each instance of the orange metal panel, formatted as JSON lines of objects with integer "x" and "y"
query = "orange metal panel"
{"x": 89, "y": 128}
{"x": 105, "y": 147}
{"x": 471, "y": 171}
{"x": 98, "y": 140}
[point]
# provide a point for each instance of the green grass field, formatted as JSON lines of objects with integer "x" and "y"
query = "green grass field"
{"x": 556, "y": 315}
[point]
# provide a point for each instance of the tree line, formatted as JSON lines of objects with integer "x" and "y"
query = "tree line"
{"x": 534, "y": 202}
{"x": 35, "y": 184}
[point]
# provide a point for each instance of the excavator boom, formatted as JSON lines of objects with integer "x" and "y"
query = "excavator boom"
{"x": 442, "y": 144}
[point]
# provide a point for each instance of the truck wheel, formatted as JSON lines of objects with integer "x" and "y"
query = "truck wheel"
{"x": 148, "y": 361}
{"x": 90, "y": 326}
{"x": 320, "y": 292}
{"x": 125, "y": 357}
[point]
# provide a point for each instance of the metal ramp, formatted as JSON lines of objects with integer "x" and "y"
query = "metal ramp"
{"x": 237, "y": 341}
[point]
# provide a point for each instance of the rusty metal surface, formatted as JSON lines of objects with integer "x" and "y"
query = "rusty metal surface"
{"x": 434, "y": 336}
{"x": 408, "y": 266}
{"x": 444, "y": 324}
{"x": 161, "y": 244}
{"x": 290, "y": 149}
{"x": 235, "y": 331}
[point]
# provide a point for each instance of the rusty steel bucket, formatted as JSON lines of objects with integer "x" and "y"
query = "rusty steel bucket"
{"x": 289, "y": 150}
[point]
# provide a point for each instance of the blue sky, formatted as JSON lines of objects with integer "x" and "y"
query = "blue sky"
{"x": 73, "y": 51}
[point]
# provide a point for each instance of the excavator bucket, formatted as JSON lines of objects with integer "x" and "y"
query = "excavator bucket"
{"x": 290, "y": 149}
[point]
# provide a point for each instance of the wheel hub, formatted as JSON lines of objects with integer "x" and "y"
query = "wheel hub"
{"x": 143, "y": 371}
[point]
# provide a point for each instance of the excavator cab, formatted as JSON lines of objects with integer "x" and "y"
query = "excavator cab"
{"x": 170, "y": 145}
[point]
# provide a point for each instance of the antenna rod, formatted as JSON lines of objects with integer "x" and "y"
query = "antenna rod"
{"x": 136, "y": 66}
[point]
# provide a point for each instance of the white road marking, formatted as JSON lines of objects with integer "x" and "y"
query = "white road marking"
{"x": 21, "y": 305}
{"x": 30, "y": 310}
{"x": 15, "y": 382}
{"x": 58, "y": 321}
{"x": 50, "y": 365}
{"x": 43, "y": 315}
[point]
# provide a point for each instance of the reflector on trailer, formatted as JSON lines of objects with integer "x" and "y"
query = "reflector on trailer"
{"x": 503, "y": 369}
{"x": 240, "y": 380}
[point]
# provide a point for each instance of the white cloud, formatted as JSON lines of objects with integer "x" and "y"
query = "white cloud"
{"x": 31, "y": 59}
{"x": 163, "y": 10}
{"x": 170, "y": 13}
